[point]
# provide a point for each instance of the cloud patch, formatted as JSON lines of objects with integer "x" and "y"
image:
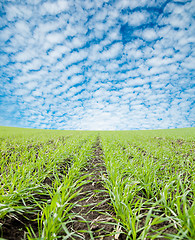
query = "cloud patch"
{"x": 97, "y": 65}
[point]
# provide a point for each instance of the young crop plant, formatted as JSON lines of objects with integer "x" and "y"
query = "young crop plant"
{"x": 150, "y": 184}
{"x": 56, "y": 214}
{"x": 33, "y": 166}
{"x": 53, "y": 183}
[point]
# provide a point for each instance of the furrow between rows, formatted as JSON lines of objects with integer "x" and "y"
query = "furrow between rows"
{"x": 94, "y": 215}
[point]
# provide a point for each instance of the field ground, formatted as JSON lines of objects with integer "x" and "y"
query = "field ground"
{"x": 97, "y": 184}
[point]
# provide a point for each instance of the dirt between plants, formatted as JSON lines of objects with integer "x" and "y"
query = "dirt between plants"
{"x": 93, "y": 204}
{"x": 13, "y": 226}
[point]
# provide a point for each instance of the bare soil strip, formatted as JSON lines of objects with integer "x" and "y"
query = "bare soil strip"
{"x": 13, "y": 226}
{"x": 93, "y": 204}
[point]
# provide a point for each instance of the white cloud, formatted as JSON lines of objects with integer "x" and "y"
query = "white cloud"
{"x": 137, "y": 18}
{"x": 75, "y": 79}
{"x": 114, "y": 34}
{"x": 4, "y": 59}
{"x": 74, "y": 69}
{"x": 54, "y": 7}
{"x": 189, "y": 63}
{"x": 158, "y": 61}
{"x": 100, "y": 15}
{"x": 131, "y": 4}
{"x": 55, "y": 38}
{"x": 75, "y": 57}
{"x": 92, "y": 65}
{"x": 26, "y": 55}
{"x": 149, "y": 34}
{"x": 37, "y": 93}
{"x": 77, "y": 42}
{"x": 5, "y": 34}
{"x": 114, "y": 51}
{"x": 21, "y": 92}
{"x": 31, "y": 85}
{"x": 72, "y": 91}
{"x": 17, "y": 12}
{"x": 112, "y": 66}
{"x": 35, "y": 64}
{"x": 57, "y": 53}
{"x": 22, "y": 28}
{"x": 45, "y": 27}
{"x": 177, "y": 16}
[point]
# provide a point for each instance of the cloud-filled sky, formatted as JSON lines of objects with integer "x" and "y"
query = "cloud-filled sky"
{"x": 97, "y": 64}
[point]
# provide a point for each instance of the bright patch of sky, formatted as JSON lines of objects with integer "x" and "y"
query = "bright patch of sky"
{"x": 97, "y": 64}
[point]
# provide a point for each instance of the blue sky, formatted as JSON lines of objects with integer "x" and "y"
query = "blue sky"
{"x": 97, "y": 64}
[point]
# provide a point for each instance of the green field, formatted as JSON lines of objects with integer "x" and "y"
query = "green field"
{"x": 59, "y": 184}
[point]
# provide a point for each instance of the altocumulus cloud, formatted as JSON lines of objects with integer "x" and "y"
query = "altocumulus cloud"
{"x": 97, "y": 64}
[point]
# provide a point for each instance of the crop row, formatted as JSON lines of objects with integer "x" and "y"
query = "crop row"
{"x": 39, "y": 177}
{"x": 148, "y": 175}
{"x": 151, "y": 185}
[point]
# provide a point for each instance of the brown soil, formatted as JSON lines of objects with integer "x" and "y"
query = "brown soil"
{"x": 93, "y": 204}
{"x": 95, "y": 214}
{"x": 14, "y": 226}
